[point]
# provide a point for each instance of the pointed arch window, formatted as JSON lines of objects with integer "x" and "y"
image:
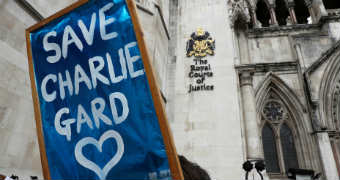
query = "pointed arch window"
{"x": 288, "y": 147}
{"x": 277, "y": 137}
{"x": 269, "y": 148}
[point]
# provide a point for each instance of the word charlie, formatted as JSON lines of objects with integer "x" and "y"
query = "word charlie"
{"x": 55, "y": 86}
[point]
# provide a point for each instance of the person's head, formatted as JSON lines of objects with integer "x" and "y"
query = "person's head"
{"x": 2, "y": 177}
{"x": 192, "y": 171}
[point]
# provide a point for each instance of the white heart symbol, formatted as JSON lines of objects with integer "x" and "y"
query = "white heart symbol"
{"x": 82, "y": 160}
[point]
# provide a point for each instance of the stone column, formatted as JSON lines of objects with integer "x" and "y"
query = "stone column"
{"x": 334, "y": 143}
{"x": 273, "y": 15}
{"x": 254, "y": 19}
{"x": 311, "y": 12}
{"x": 254, "y": 145}
{"x": 319, "y": 9}
{"x": 251, "y": 127}
{"x": 327, "y": 156}
{"x": 324, "y": 143}
{"x": 292, "y": 12}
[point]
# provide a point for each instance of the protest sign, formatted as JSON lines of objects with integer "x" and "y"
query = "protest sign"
{"x": 98, "y": 109}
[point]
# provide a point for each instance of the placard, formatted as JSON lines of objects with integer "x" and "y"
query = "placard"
{"x": 98, "y": 109}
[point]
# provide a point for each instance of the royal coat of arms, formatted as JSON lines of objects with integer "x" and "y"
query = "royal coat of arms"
{"x": 200, "y": 44}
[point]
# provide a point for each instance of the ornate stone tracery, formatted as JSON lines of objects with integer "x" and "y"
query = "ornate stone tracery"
{"x": 336, "y": 104}
{"x": 278, "y": 107}
{"x": 276, "y": 115}
{"x": 238, "y": 10}
{"x": 273, "y": 111}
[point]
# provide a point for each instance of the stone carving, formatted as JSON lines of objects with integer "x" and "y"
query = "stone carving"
{"x": 335, "y": 104}
{"x": 200, "y": 44}
{"x": 238, "y": 9}
{"x": 273, "y": 111}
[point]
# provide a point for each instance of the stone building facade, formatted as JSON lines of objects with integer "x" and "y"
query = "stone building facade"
{"x": 274, "y": 83}
{"x": 287, "y": 48}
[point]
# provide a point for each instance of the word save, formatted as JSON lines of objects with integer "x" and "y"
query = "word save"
{"x": 64, "y": 84}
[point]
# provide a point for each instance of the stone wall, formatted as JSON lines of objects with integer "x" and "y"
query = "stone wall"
{"x": 297, "y": 55}
{"x": 206, "y": 124}
{"x": 19, "y": 147}
{"x": 270, "y": 49}
{"x": 154, "y": 16}
{"x": 48, "y": 8}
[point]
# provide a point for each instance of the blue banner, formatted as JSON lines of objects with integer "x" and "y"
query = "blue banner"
{"x": 97, "y": 113}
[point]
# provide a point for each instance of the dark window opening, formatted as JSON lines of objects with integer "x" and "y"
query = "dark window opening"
{"x": 251, "y": 22}
{"x": 281, "y": 12}
{"x": 288, "y": 148}
{"x": 301, "y": 12}
{"x": 269, "y": 148}
{"x": 331, "y": 4}
{"x": 263, "y": 14}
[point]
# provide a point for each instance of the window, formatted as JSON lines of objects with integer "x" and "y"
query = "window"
{"x": 277, "y": 138}
{"x": 263, "y": 14}
{"x": 331, "y": 4}
{"x": 269, "y": 148}
{"x": 288, "y": 147}
{"x": 301, "y": 12}
{"x": 281, "y": 12}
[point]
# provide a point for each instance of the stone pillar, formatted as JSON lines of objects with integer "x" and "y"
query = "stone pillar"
{"x": 311, "y": 12}
{"x": 273, "y": 15}
{"x": 251, "y": 127}
{"x": 291, "y": 10}
{"x": 327, "y": 157}
{"x": 254, "y": 19}
{"x": 253, "y": 142}
{"x": 292, "y": 15}
{"x": 319, "y": 9}
{"x": 334, "y": 143}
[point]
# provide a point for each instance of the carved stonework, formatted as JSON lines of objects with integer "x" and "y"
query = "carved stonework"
{"x": 335, "y": 104}
{"x": 200, "y": 44}
{"x": 246, "y": 78}
{"x": 238, "y": 9}
{"x": 274, "y": 110}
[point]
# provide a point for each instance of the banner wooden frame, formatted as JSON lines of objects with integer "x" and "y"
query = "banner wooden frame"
{"x": 175, "y": 167}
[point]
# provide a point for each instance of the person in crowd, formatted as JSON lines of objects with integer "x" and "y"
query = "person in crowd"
{"x": 3, "y": 177}
{"x": 192, "y": 171}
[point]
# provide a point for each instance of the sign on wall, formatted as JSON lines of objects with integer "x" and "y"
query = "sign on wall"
{"x": 200, "y": 45}
{"x": 98, "y": 110}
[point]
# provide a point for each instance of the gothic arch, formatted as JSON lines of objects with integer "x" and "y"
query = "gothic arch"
{"x": 300, "y": 126}
{"x": 329, "y": 93}
{"x": 263, "y": 12}
{"x": 282, "y": 12}
{"x": 273, "y": 82}
{"x": 301, "y": 11}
